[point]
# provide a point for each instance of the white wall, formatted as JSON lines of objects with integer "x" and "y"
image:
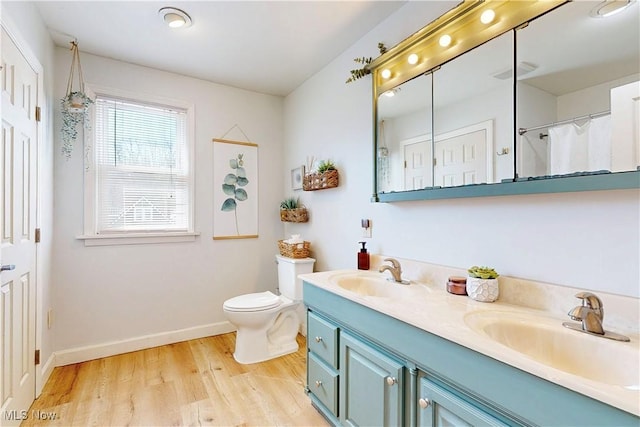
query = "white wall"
{"x": 113, "y": 293}
{"x": 25, "y": 23}
{"x": 587, "y": 240}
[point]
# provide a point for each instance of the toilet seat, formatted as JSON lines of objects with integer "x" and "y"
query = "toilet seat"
{"x": 253, "y": 302}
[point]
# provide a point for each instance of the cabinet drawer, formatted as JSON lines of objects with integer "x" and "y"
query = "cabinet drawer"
{"x": 322, "y": 339}
{"x": 323, "y": 383}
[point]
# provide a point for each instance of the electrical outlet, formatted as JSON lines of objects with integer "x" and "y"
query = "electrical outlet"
{"x": 49, "y": 318}
{"x": 366, "y": 228}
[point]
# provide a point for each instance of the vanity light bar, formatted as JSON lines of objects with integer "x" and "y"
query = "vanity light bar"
{"x": 468, "y": 25}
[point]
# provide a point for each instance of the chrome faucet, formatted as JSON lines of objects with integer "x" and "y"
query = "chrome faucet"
{"x": 395, "y": 270}
{"x": 591, "y": 314}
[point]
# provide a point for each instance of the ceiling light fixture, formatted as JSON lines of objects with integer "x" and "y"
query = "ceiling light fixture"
{"x": 609, "y": 7}
{"x": 413, "y": 59}
{"x": 175, "y": 18}
{"x": 386, "y": 73}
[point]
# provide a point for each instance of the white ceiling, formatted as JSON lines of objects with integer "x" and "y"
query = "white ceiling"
{"x": 265, "y": 46}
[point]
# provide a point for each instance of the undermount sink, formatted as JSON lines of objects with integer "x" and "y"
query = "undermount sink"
{"x": 547, "y": 341}
{"x": 377, "y": 285}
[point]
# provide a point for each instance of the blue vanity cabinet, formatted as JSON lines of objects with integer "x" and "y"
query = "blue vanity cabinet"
{"x": 322, "y": 365}
{"x": 382, "y": 371}
{"x": 371, "y": 385}
{"x": 440, "y": 407}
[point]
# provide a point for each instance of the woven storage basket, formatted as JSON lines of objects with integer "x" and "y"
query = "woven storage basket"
{"x": 320, "y": 181}
{"x": 294, "y": 215}
{"x": 294, "y": 250}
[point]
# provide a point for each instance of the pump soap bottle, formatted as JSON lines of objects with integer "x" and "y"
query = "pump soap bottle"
{"x": 363, "y": 258}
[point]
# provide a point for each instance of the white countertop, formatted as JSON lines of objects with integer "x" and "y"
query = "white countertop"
{"x": 443, "y": 314}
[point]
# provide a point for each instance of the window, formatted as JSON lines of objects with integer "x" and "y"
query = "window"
{"x": 141, "y": 178}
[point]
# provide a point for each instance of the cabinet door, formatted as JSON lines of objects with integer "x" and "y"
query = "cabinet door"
{"x": 371, "y": 385}
{"x": 437, "y": 407}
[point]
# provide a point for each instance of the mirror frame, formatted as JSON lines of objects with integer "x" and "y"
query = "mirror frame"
{"x": 463, "y": 24}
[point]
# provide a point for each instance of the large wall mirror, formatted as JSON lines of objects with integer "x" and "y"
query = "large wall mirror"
{"x": 548, "y": 101}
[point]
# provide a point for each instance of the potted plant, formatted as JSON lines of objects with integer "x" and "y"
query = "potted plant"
{"x": 325, "y": 176}
{"x": 482, "y": 284}
{"x": 292, "y": 211}
{"x": 74, "y": 105}
{"x": 75, "y": 111}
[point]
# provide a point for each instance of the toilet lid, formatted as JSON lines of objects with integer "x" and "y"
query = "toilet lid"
{"x": 253, "y": 302}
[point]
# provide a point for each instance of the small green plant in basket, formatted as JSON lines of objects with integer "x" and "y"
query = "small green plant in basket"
{"x": 326, "y": 165}
{"x": 290, "y": 203}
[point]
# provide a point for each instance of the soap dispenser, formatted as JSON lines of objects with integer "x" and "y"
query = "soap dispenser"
{"x": 363, "y": 257}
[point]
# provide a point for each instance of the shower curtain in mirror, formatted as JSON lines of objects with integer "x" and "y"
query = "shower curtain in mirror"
{"x": 582, "y": 147}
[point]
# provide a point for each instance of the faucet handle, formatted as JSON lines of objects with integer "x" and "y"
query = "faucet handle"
{"x": 592, "y": 301}
{"x": 393, "y": 262}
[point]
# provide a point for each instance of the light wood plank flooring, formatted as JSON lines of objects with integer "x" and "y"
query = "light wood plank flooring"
{"x": 190, "y": 383}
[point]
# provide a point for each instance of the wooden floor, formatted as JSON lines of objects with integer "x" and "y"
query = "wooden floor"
{"x": 189, "y": 383}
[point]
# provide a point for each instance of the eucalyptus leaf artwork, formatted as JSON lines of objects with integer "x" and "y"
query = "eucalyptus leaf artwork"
{"x": 232, "y": 186}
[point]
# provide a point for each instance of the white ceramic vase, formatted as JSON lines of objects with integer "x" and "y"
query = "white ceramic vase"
{"x": 484, "y": 290}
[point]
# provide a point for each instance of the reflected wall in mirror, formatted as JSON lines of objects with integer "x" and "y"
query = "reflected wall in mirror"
{"x": 579, "y": 101}
{"x": 404, "y": 136}
{"x": 468, "y": 115}
{"x": 473, "y": 120}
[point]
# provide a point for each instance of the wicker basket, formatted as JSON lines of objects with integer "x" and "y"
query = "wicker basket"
{"x": 294, "y": 250}
{"x": 294, "y": 215}
{"x": 320, "y": 181}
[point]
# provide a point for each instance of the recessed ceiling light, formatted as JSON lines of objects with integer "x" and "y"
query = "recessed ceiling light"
{"x": 609, "y": 7}
{"x": 175, "y": 18}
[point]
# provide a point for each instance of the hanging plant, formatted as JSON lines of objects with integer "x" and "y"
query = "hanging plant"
{"x": 358, "y": 73}
{"x": 74, "y": 106}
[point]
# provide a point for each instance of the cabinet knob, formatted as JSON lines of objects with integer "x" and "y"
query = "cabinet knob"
{"x": 391, "y": 380}
{"x": 318, "y": 339}
{"x": 424, "y": 403}
{"x": 318, "y": 383}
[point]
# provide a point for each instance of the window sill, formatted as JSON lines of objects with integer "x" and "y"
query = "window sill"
{"x": 137, "y": 238}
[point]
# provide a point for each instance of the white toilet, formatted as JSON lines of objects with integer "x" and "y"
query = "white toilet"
{"x": 268, "y": 324}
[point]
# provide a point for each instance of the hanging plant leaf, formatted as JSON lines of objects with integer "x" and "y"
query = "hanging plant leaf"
{"x": 233, "y": 163}
{"x": 230, "y": 179}
{"x": 229, "y": 205}
{"x": 241, "y": 195}
{"x": 241, "y": 172}
{"x": 229, "y": 189}
{"x": 242, "y": 181}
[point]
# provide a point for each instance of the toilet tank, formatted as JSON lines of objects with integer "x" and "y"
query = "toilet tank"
{"x": 288, "y": 269}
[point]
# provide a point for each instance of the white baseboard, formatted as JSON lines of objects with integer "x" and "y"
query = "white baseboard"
{"x": 82, "y": 354}
{"x": 44, "y": 371}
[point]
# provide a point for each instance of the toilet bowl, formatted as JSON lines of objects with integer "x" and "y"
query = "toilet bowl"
{"x": 267, "y": 324}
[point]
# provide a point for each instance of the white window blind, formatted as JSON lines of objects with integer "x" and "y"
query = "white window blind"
{"x": 141, "y": 167}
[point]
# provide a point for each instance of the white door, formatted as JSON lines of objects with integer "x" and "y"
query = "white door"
{"x": 18, "y": 83}
{"x": 417, "y": 164}
{"x": 461, "y": 160}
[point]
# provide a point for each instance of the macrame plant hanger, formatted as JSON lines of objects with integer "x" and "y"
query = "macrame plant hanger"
{"x": 75, "y": 104}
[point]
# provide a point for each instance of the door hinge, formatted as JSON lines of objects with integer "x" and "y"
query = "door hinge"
{"x": 37, "y": 357}
{"x": 37, "y": 238}
{"x": 38, "y": 114}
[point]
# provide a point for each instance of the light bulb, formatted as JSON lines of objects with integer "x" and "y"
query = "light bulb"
{"x": 487, "y": 16}
{"x": 389, "y": 93}
{"x": 386, "y": 73}
{"x": 412, "y": 59}
{"x": 445, "y": 40}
